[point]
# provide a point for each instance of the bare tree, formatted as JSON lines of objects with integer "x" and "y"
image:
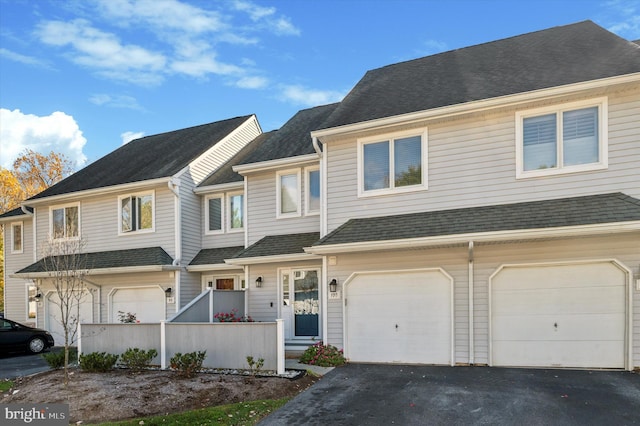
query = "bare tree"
{"x": 65, "y": 263}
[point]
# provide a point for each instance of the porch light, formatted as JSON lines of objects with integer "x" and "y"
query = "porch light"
{"x": 37, "y": 297}
{"x": 168, "y": 291}
{"x": 259, "y": 282}
{"x": 333, "y": 286}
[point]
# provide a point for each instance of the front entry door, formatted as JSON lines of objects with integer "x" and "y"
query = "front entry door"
{"x": 300, "y": 302}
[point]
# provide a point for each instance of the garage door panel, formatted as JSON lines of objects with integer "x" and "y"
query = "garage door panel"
{"x": 403, "y": 317}
{"x": 53, "y": 320}
{"x": 586, "y": 354}
{"x": 602, "y": 299}
{"x": 146, "y": 303}
{"x": 570, "y": 327}
{"x": 560, "y": 315}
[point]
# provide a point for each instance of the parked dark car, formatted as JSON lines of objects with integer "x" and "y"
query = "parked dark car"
{"x": 16, "y": 337}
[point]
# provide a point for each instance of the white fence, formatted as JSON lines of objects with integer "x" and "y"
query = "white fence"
{"x": 227, "y": 343}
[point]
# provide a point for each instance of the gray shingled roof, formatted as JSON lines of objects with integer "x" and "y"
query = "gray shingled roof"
{"x": 575, "y": 211}
{"x": 544, "y": 59}
{"x": 147, "y": 158}
{"x": 215, "y": 256}
{"x": 15, "y": 212}
{"x": 225, "y": 174}
{"x": 276, "y": 245}
{"x": 294, "y": 138}
{"x": 152, "y": 256}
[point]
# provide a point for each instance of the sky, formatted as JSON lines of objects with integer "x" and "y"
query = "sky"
{"x": 84, "y": 77}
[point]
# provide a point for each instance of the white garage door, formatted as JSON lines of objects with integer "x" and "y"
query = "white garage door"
{"x": 53, "y": 315}
{"x": 146, "y": 303}
{"x": 559, "y": 316}
{"x": 400, "y": 317}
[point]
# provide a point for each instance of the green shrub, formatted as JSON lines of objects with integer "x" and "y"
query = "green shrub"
{"x": 56, "y": 359}
{"x": 97, "y": 362}
{"x": 254, "y": 365}
{"x": 189, "y": 364}
{"x": 323, "y": 356}
{"x": 137, "y": 359}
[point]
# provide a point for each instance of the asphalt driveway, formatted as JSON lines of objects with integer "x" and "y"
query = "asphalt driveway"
{"x": 363, "y": 394}
{"x": 20, "y": 365}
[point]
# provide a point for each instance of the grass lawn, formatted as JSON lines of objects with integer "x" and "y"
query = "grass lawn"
{"x": 243, "y": 413}
{"x": 5, "y": 385}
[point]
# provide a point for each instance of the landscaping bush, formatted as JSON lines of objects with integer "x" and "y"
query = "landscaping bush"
{"x": 137, "y": 359}
{"x": 189, "y": 364}
{"x": 254, "y": 365}
{"x": 56, "y": 359}
{"x": 323, "y": 356}
{"x": 97, "y": 362}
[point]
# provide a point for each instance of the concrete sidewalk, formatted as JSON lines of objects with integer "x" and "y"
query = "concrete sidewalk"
{"x": 293, "y": 364}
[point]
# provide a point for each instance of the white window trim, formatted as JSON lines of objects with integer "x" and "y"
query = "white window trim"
{"x": 64, "y": 206}
{"x": 423, "y": 133}
{"x": 307, "y": 192}
{"x": 237, "y": 281}
{"x": 603, "y": 142}
{"x": 12, "y": 241}
{"x": 26, "y": 315}
{"x": 298, "y": 211}
{"x": 153, "y": 213}
{"x": 207, "y": 231}
{"x": 229, "y": 215}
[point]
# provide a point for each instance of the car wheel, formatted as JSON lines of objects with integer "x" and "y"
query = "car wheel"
{"x": 36, "y": 345}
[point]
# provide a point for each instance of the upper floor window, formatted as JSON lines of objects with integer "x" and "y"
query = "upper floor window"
{"x": 288, "y": 193}
{"x": 65, "y": 221}
{"x": 236, "y": 208}
{"x": 136, "y": 212}
{"x": 221, "y": 209}
{"x": 213, "y": 214}
{"x": 562, "y": 140}
{"x": 394, "y": 164}
{"x": 16, "y": 237}
{"x": 312, "y": 178}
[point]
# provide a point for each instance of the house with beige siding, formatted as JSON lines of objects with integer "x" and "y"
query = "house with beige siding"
{"x": 476, "y": 207}
{"x": 138, "y": 218}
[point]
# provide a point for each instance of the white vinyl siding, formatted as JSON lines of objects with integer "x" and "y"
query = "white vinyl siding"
{"x": 472, "y": 163}
{"x": 262, "y": 207}
{"x": 15, "y": 300}
{"x": 562, "y": 139}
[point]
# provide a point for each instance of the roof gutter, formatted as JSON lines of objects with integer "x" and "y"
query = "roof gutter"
{"x": 476, "y": 106}
{"x": 275, "y": 164}
{"x": 103, "y": 271}
{"x": 271, "y": 259}
{"x": 476, "y": 237}
{"x": 213, "y": 267}
{"x": 97, "y": 191}
{"x": 217, "y": 188}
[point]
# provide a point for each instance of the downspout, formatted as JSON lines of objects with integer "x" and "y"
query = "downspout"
{"x": 323, "y": 187}
{"x": 174, "y": 187}
{"x": 471, "y": 322}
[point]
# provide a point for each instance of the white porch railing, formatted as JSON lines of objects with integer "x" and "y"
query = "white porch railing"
{"x": 227, "y": 344}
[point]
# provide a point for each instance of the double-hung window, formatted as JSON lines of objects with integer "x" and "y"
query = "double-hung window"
{"x": 65, "y": 221}
{"x": 565, "y": 139}
{"x": 136, "y": 212}
{"x": 312, "y": 193}
{"x": 236, "y": 209}
{"x": 394, "y": 164}
{"x": 213, "y": 214}
{"x": 17, "y": 234}
{"x": 288, "y": 193}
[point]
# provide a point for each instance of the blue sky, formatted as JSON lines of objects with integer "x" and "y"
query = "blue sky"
{"x": 83, "y": 77}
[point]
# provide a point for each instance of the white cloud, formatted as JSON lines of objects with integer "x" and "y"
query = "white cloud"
{"x": 104, "y": 52}
{"x": 252, "y": 83}
{"x": 266, "y": 18}
{"x": 433, "y": 46}
{"x": 309, "y": 97}
{"x": 129, "y": 136}
{"x": 115, "y": 101}
{"x": 57, "y": 132}
{"x": 627, "y": 18}
{"x": 28, "y": 60}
